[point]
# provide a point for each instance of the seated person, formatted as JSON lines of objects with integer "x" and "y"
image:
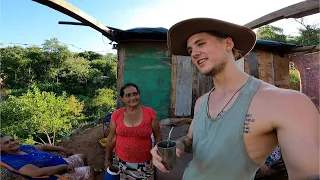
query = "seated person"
{"x": 273, "y": 164}
{"x": 32, "y": 161}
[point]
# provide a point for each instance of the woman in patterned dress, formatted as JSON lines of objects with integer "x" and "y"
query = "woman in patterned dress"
{"x": 130, "y": 133}
{"x": 272, "y": 165}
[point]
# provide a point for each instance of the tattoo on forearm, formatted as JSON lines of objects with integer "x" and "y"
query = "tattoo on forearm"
{"x": 187, "y": 142}
{"x": 249, "y": 120}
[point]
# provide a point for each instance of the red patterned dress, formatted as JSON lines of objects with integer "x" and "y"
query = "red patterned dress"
{"x": 133, "y": 145}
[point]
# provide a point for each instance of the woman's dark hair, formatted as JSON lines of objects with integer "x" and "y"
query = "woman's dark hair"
{"x": 128, "y": 85}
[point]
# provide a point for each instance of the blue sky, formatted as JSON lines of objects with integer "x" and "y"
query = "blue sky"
{"x": 25, "y": 21}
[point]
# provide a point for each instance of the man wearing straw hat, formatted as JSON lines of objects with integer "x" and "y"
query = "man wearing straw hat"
{"x": 242, "y": 119}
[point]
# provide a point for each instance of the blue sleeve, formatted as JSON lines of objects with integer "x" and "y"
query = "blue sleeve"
{"x": 28, "y": 148}
{"x": 15, "y": 163}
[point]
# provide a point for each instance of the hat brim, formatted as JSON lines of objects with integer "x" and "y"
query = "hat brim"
{"x": 244, "y": 38}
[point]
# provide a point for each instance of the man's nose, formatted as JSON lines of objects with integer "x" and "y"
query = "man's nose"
{"x": 195, "y": 54}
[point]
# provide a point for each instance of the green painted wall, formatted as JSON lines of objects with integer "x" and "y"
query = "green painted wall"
{"x": 150, "y": 69}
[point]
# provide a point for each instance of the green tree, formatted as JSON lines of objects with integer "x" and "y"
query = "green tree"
{"x": 108, "y": 67}
{"x": 273, "y": 33}
{"x": 40, "y": 116}
{"x": 56, "y": 54}
{"x": 90, "y": 55}
{"x": 37, "y": 62}
{"x": 308, "y": 35}
{"x": 14, "y": 67}
{"x": 77, "y": 76}
{"x": 103, "y": 102}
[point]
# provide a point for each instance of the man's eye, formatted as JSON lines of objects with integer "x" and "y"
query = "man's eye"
{"x": 201, "y": 44}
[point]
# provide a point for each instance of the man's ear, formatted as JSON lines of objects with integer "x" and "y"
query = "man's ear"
{"x": 229, "y": 44}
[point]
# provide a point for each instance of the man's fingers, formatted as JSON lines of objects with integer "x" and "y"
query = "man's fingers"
{"x": 156, "y": 159}
{"x": 178, "y": 152}
{"x": 155, "y": 155}
{"x": 159, "y": 165}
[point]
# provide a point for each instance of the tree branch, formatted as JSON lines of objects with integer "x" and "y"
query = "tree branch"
{"x": 48, "y": 137}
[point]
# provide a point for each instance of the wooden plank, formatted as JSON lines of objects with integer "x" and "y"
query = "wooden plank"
{"x": 195, "y": 86}
{"x": 306, "y": 49}
{"x": 246, "y": 65}
{"x": 208, "y": 83}
{"x": 120, "y": 71}
{"x": 297, "y": 10}
{"x": 265, "y": 66}
{"x": 281, "y": 71}
{"x": 173, "y": 85}
{"x": 184, "y": 79}
{"x": 202, "y": 84}
{"x": 272, "y": 68}
{"x": 76, "y": 13}
{"x": 240, "y": 64}
{"x": 253, "y": 64}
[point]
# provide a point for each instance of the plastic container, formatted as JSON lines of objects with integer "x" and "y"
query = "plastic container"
{"x": 112, "y": 173}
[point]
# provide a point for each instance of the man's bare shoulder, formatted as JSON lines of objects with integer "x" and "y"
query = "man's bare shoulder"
{"x": 283, "y": 103}
{"x": 279, "y": 96}
{"x": 202, "y": 98}
{"x": 199, "y": 102}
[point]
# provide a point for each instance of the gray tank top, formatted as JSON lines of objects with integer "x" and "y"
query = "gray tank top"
{"x": 218, "y": 147}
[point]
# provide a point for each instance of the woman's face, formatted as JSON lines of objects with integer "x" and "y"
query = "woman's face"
{"x": 9, "y": 144}
{"x": 131, "y": 96}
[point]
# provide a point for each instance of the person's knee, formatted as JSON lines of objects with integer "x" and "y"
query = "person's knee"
{"x": 84, "y": 159}
{"x": 92, "y": 175}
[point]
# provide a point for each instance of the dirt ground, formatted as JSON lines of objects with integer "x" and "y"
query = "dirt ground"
{"x": 88, "y": 143}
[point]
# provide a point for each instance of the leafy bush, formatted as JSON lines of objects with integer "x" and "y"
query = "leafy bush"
{"x": 36, "y": 85}
{"x": 294, "y": 79}
{"x": 103, "y": 102}
{"x": 40, "y": 116}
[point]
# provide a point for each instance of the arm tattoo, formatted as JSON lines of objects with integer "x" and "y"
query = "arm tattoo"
{"x": 187, "y": 142}
{"x": 249, "y": 120}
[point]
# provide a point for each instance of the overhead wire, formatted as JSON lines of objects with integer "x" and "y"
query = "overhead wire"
{"x": 61, "y": 43}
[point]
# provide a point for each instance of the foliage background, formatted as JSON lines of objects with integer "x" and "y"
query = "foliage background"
{"x": 49, "y": 91}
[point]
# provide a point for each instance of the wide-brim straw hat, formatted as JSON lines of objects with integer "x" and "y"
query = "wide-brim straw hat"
{"x": 244, "y": 38}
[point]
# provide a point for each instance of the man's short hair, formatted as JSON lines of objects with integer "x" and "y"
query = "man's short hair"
{"x": 236, "y": 52}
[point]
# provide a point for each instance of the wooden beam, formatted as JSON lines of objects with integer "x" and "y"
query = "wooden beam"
{"x": 253, "y": 64}
{"x": 76, "y": 13}
{"x": 298, "y": 10}
{"x": 306, "y": 49}
{"x": 72, "y": 23}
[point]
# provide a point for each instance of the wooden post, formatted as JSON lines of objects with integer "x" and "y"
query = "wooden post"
{"x": 183, "y": 88}
{"x": 120, "y": 71}
{"x": 253, "y": 64}
{"x": 173, "y": 84}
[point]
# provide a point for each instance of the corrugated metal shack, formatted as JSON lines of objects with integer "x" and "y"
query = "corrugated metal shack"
{"x": 171, "y": 84}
